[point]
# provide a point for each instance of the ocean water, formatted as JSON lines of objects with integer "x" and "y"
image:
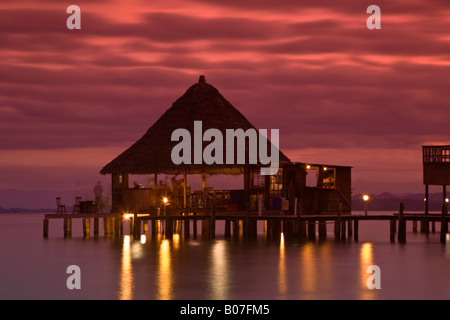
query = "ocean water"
{"x": 32, "y": 267}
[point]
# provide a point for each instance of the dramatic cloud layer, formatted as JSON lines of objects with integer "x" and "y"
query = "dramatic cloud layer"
{"x": 338, "y": 92}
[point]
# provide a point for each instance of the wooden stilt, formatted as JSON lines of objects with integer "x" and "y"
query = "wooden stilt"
{"x": 46, "y": 224}
{"x": 350, "y": 229}
{"x": 343, "y": 230}
{"x": 187, "y": 231}
{"x": 322, "y": 230}
{"x": 96, "y": 223}
{"x": 145, "y": 226}
{"x": 212, "y": 231}
{"x": 444, "y": 225}
{"x": 227, "y": 229}
{"x": 311, "y": 230}
{"x": 67, "y": 227}
{"x": 86, "y": 227}
{"x": 302, "y": 230}
{"x": 206, "y": 228}
{"x": 194, "y": 227}
{"x": 356, "y": 230}
{"x": 401, "y": 224}
{"x": 392, "y": 230}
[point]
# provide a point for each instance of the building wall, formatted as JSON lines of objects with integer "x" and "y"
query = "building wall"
{"x": 436, "y": 174}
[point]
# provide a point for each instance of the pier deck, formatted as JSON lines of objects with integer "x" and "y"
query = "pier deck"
{"x": 301, "y": 227}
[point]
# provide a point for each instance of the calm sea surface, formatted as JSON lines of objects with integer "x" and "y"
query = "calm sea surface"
{"x": 32, "y": 267}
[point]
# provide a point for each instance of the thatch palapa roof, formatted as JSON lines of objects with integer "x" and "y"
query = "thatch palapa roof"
{"x": 152, "y": 153}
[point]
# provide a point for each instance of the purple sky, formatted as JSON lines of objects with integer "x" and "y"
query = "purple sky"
{"x": 72, "y": 100}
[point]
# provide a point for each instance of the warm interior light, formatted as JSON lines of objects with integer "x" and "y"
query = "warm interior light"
{"x": 308, "y": 167}
{"x": 446, "y": 200}
{"x": 165, "y": 200}
{"x": 365, "y": 197}
{"x": 325, "y": 168}
{"x": 127, "y": 216}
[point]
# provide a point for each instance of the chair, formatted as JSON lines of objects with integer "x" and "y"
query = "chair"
{"x": 61, "y": 207}
{"x": 76, "y": 206}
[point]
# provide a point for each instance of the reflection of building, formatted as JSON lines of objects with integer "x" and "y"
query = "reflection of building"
{"x": 436, "y": 169}
{"x": 151, "y": 155}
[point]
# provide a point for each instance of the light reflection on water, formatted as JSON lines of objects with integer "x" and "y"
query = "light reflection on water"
{"x": 303, "y": 271}
{"x": 156, "y": 268}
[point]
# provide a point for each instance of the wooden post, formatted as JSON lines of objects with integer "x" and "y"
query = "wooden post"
{"x": 154, "y": 227}
{"x": 206, "y": 228}
{"x": 392, "y": 229}
{"x": 414, "y": 226}
{"x": 337, "y": 224}
{"x": 350, "y": 228}
{"x": 67, "y": 227}
{"x": 444, "y": 225}
{"x": 343, "y": 231}
{"x": 137, "y": 226}
{"x": 311, "y": 230}
{"x": 322, "y": 230}
{"x": 212, "y": 232}
{"x": 187, "y": 230}
{"x": 96, "y": 226}
{"x": 401, "y": 224}
{"x": 236, "y": 229}
{"x": 145, "y": 225}
{"x": 194, "y": 227}
{"x": 252, "y": 228}
{"x": 86, "y": 227}
{"x": 356, "y": 230}
{"x": 227, "y": 229}
{"x": 46, "y": 228}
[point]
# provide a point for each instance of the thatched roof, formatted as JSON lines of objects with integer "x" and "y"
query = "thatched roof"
{"x": 152, "y": 153}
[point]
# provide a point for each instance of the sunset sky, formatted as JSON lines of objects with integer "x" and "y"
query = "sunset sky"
{"x": 72, "y": 100}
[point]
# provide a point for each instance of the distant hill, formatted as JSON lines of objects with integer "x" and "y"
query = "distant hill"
{"x": 386, "y": 201}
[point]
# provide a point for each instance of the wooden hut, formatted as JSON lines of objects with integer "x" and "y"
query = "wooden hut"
{"x": 436, "y": 169}
{"x": 151, "y": 155}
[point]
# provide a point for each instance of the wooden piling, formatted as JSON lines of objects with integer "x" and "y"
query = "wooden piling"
{"x": 154, "y": 227}
{"x": 137, "y": 227}
{"x": 96, "y": 224}
{"x": 343, "y": 230}
{"x": 169, "y": 228}
{"x": 322, "y": 230}
{"x": 194, "y": 227}
{"x": 227, "y": 229}
{"x": 67, "y": 227}
{"x": 311, "y": 230}
{"x": 86, "y": 227}
{"x": 236, "y": 228}
{"x": 356, "y": 230}
{"x": 145, "y": 226}
{"x": 337, "y": 224}
{"x": 350, "y": 228}
{"x": 392, "y": 230}
{"x": 187, "y": 231}
{"x": 444, "y": 225}
{"x": 401, "y": 224}
{"x": 46, "y": 224}
{"x": 212, "y": 224}
{"x": 206, "y": 228}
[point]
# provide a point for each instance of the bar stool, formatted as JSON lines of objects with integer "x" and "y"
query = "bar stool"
{"x": 61, "y": 207}
{"x": 76, "y": 206}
